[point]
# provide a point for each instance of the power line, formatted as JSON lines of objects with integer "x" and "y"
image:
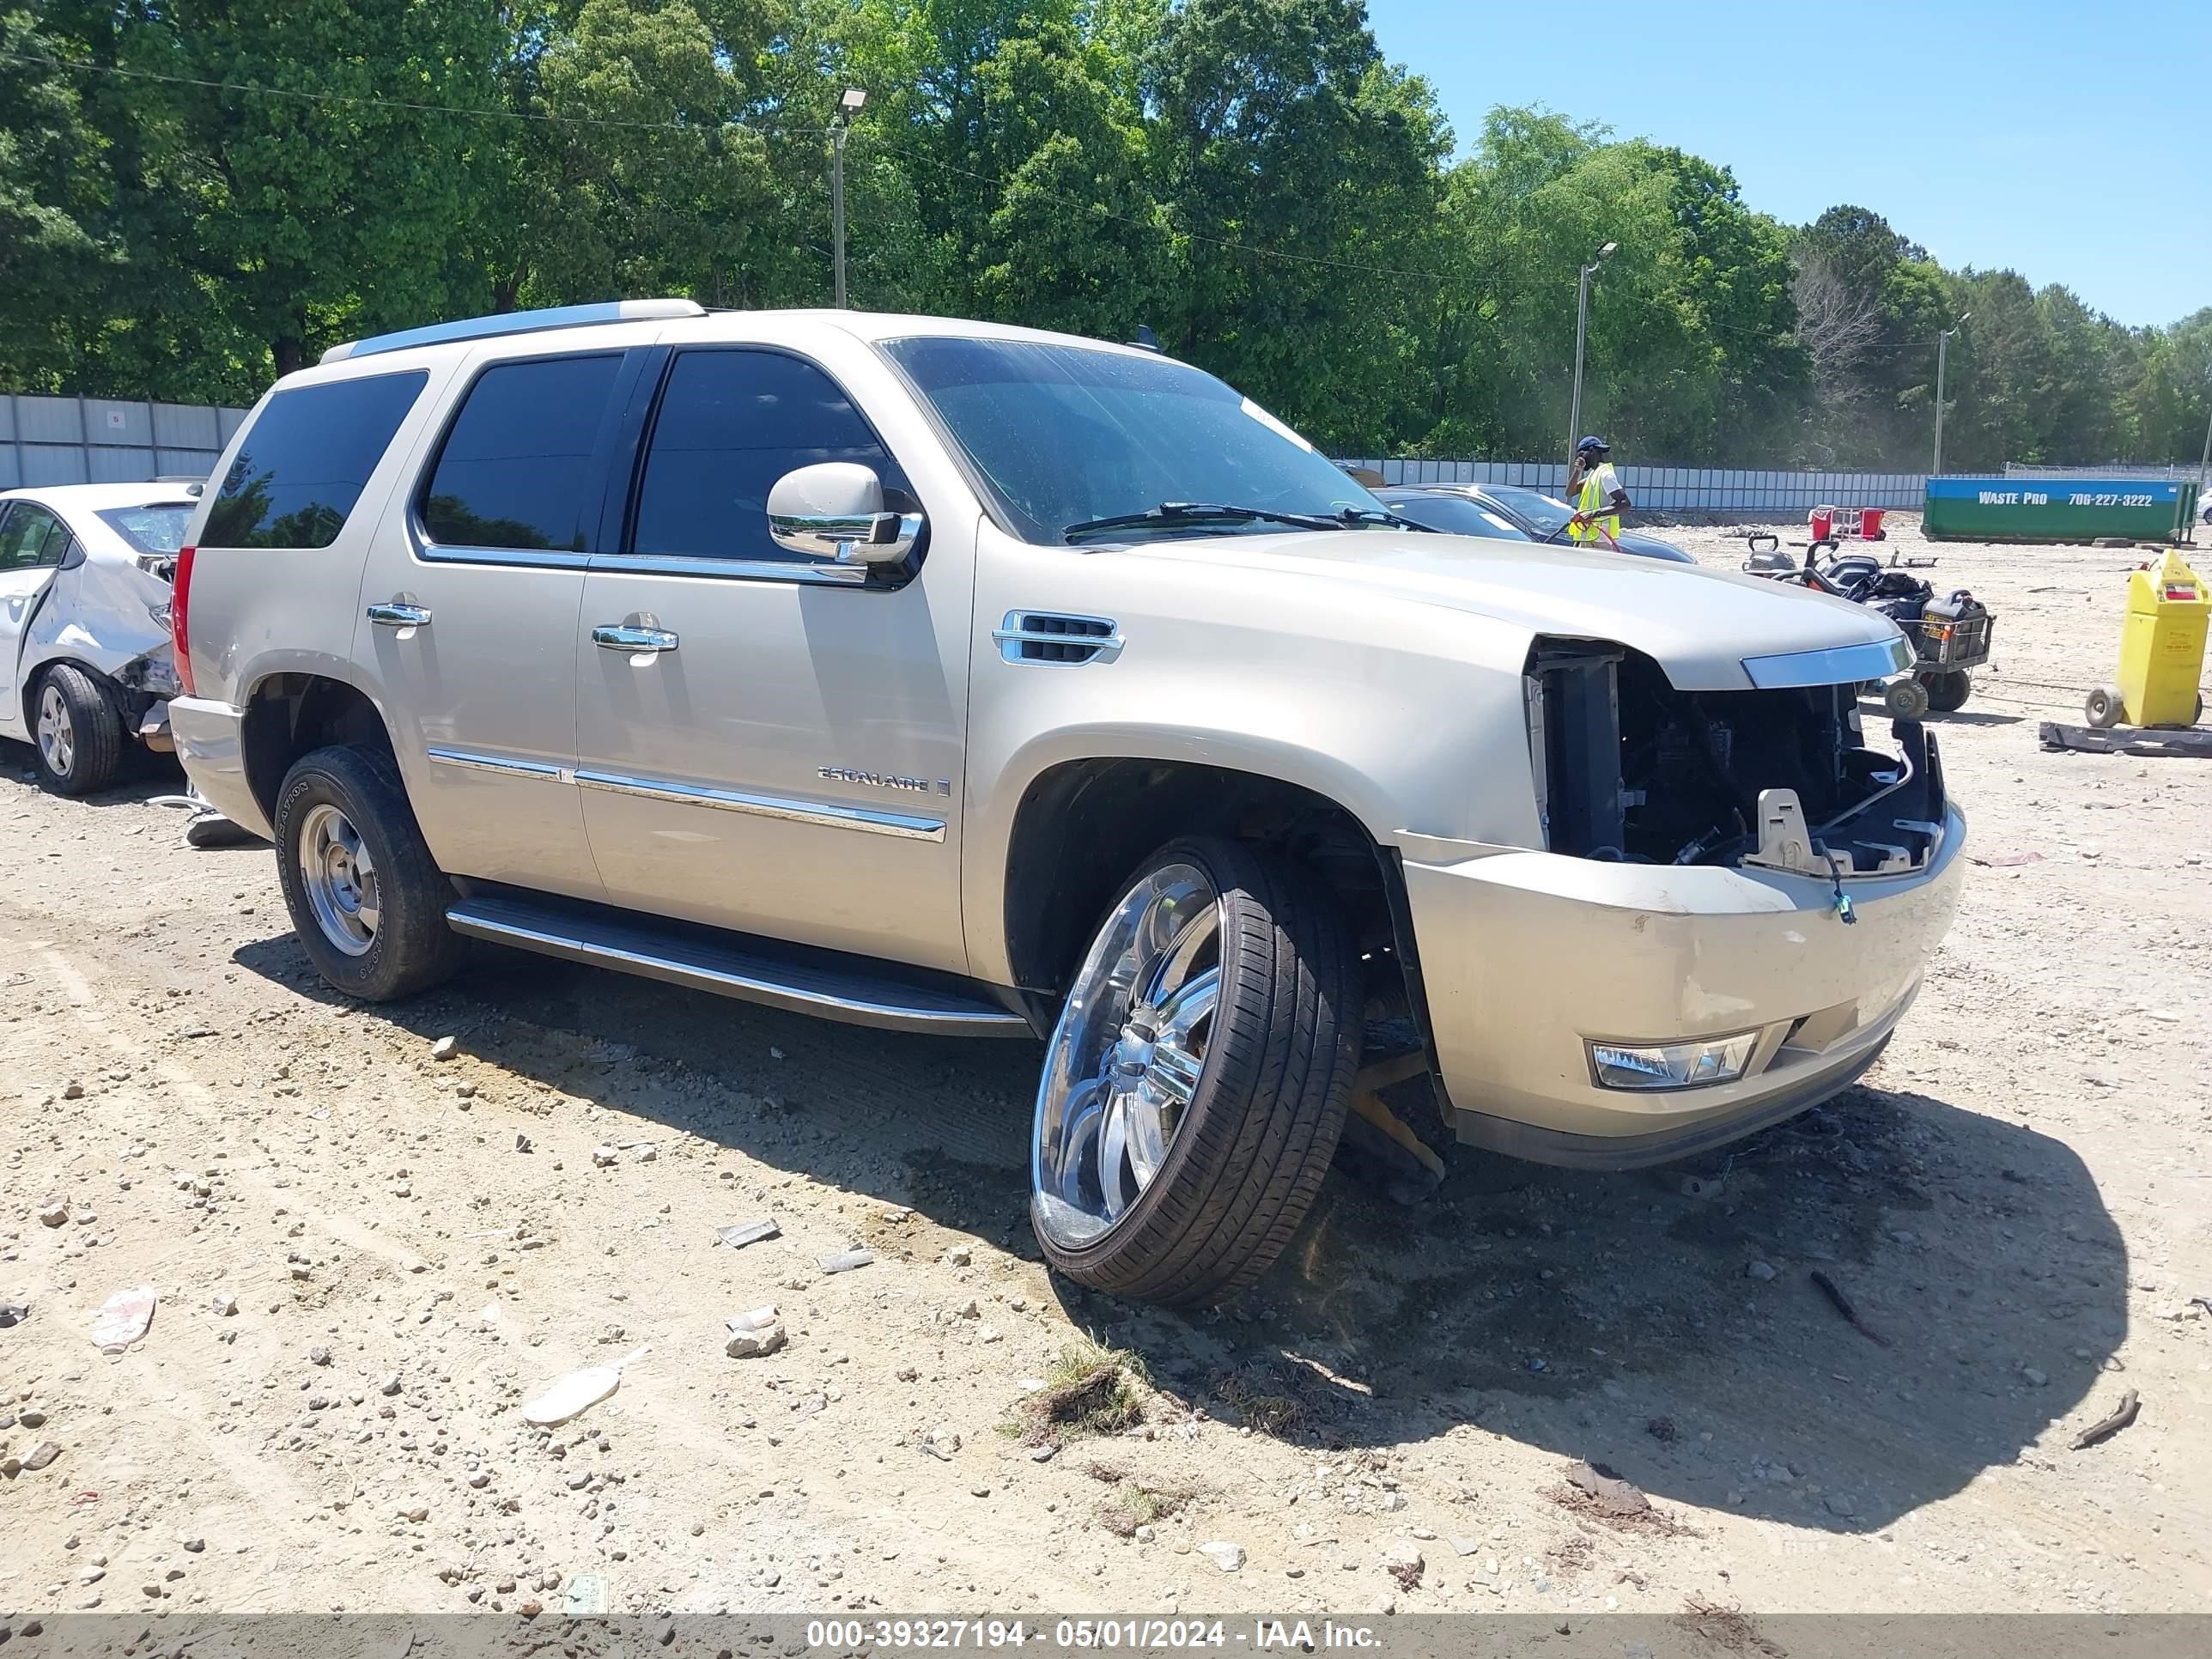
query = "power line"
{"x": 255, "y": 89}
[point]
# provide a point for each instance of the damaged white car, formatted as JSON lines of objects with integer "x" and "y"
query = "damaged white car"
{"x": 85, "y": 661}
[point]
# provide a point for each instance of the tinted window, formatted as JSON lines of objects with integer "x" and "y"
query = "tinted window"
{"x": 31, "y": 535}
{"x": 732, "y": 423}
{"x": 1067, "y": 434}
{"x": 517, "y": 468}
{"x": 159, "y": 529}
{"x": 1454, "y": 514}
{"x": 306, "y": 460}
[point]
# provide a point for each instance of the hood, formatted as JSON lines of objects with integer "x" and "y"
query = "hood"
{"x": 1700, "y": 625}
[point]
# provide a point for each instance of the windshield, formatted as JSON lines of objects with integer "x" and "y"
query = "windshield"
{"x": 1547, "y": 513}
{"x": 157, "y": 529}
{"x": 1067, "y": 435}
{"x": 1456, "y": 515}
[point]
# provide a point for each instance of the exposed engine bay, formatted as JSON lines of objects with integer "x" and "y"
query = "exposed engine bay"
{"x": 1629, "y": 768}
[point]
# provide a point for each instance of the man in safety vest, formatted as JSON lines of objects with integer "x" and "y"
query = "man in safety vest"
{"x": 1596, "y": 490}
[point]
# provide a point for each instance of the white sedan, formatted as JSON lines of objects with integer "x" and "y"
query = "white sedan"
{"x": 85, "y": 662}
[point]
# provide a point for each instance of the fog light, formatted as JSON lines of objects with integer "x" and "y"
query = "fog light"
{"x": 1671, "y": 1065}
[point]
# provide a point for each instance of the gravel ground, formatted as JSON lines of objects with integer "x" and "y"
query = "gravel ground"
{"x": 369, "y": 1258}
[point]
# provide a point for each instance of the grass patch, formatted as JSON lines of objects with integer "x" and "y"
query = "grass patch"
{"x": 1088, "y": 1391}
{"x": 1285, "y": 1396}
{"x": 1133, "y": 1504}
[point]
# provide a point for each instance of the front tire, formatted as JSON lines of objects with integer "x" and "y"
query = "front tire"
{"x": 76, "y": 733}
{"x": 1197, "y": 1079}
{"x": 367, "y": 901}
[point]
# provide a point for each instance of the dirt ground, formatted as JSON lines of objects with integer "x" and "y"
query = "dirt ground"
{"x": 2018, "y": 1203}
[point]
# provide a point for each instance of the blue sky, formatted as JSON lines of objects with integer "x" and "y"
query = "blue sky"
{"x": 2063, "y": 141}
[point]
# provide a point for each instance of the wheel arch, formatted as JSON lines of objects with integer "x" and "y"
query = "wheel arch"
{"x": 1078, "y": 826}
{"x": 291, "y": 713}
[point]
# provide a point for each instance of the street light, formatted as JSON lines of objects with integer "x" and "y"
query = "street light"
{"x": 1943, "y": 345}
{"x": 1581, "y": 330}
{"x": 847, "y": 107}
{"x": 2204, "y": 466}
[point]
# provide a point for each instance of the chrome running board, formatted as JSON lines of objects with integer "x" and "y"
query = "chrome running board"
{"x": 731, "y": 965}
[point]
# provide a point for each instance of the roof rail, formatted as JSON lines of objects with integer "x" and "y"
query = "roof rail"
{"x": 517, "y": 322}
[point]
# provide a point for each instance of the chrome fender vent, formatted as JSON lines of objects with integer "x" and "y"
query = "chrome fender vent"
{"x": 1045, "y": 636}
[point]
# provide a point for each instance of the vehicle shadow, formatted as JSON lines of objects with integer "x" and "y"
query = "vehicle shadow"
{"x": 1975, "y": 717}
{"x": 1625, "y": 1319}
{"x": 142, "y": 775}
{"x": 1631, "y": 1319}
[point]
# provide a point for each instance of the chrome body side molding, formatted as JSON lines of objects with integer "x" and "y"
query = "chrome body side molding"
{"x": 832, "y": 815}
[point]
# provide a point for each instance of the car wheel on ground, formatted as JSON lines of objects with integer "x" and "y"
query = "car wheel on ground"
{"x": 1197, "y": 1082}
{"x": 2105, "y": 706}
{"x": 76, "y": 733}
{"x": 1949, "y": 689}
{"x": 366, "y": 899}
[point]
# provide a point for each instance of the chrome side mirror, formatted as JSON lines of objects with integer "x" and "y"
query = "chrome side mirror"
{"x": 834, "y": 511}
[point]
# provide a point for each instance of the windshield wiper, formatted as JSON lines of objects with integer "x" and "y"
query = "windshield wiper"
{"x": 1381, "y": 515}
{"x": 1179, "y": 512}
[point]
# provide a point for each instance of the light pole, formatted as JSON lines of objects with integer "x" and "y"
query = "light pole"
{"x": 1943, "y": 345}
{"x": 2205, "y": 464}
{"x": 847, "y": 107}
{"x": 1581, "y": 333}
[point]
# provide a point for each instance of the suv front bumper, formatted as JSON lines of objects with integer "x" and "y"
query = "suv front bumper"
{"x": 1528, "y": 957}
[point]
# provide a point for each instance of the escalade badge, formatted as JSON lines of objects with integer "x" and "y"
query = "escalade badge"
{"x": 883, "y": 780}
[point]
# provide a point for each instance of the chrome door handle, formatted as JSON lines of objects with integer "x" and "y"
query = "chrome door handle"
{"x": 397, "y": 614}
{"x": 634, "y": 641}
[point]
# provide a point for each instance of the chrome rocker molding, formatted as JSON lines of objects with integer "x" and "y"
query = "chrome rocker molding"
{"x": 469, "y": 761}
{"x": 1842, "y": 665}
{"x": 828, "y": 815}
{"x": 730, "y": 971}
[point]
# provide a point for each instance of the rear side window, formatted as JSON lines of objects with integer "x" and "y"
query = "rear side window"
{"x": 517, "y": 468}
{"x": 732, "y": 423}
{"x": 306, "y": 460}
{"x": 157, "y": 530}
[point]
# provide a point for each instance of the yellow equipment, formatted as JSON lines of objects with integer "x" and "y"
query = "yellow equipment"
{"x": 2161, "y": 650}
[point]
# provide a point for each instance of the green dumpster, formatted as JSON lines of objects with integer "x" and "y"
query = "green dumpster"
{"x": 2058, "y": 509}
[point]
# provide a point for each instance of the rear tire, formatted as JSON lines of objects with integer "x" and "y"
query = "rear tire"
{"x": 2105, "y": 708}
{"x": 367, "y": 901}
{"x": 1245, "y": 1119}
{"x": 76, "y": 735}
{"x": 1949, "y": 689}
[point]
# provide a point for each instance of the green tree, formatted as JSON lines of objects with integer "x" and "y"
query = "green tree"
{"x": 1301, "y": 171}
{"x": 55, "y": 192}
{"x": 1073, "y": 239}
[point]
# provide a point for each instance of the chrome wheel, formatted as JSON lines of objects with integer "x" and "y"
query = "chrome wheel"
{"x": 56, "y": 732}
{"x": 340, "y": 879}
{"x": 1128, "y": 1055}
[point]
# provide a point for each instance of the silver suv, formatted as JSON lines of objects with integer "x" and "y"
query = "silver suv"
{"x": 959, "y": 679}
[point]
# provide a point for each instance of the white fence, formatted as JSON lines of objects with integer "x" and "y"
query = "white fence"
{"x": 1682, "y": 489}
{"x": 2172, "y": 472}
{"x": 61, "y": 440}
